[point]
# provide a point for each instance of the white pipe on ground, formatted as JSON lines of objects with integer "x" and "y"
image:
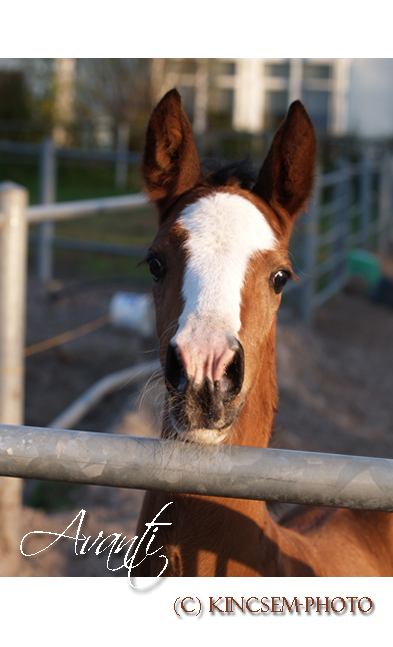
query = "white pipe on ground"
{"x": 78, "y": 409}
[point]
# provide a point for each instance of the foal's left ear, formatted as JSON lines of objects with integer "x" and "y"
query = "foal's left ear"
{"x": 287, "y": 174}
{"x": 170, "y": 161}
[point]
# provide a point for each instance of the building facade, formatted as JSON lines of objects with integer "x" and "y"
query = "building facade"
{"x": 246, "y": 95}
{"x": 253, "y": 94}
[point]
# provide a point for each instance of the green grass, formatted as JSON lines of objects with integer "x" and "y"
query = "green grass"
{"x": 76, "y": 179}
{"x": 136, "y": 227}
{"x": 24, "y": 174}
{"x": 79, "y": 265}
{"x": 53, "y": 496}
{"x": 128, "y": 228}
{"x": 81, "y": 180}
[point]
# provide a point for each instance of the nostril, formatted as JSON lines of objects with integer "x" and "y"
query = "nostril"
{"x": 232, "y": 381}
{"x": 175, "y": 373}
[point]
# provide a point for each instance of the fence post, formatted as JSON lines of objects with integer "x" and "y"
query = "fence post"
{"x": 310, "y": 251}
{"x": 384, "y": 202}
{"x": 121, "y": 165}
{"x": 47, "y": 195}
{"x": 342, "y": 222}
{"x": 389, "y": 233}
{"x": 13, "y": 241}
{"x": 365, "y": 201}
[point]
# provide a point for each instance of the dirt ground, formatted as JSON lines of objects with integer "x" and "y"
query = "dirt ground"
{"x": 335, "y": 384}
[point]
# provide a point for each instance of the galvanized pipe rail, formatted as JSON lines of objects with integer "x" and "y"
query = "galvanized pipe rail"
{"x": 224, "y": 471}
{"x": 80, "y": 244}
{"x": 80, "y": 208}
{"x": 89, "y": 154}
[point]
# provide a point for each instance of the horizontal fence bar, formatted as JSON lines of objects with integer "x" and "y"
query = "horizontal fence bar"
{"x": 336, "y": 177}
{"x": 19, "y": 147}
{"x": 99, "y": 247}
{"x": 94, "y": 155}
{"x": 334, "y": 207}
{"x": 71, "y": 153}
{"x": 333, "y": 262}
{"x": 79, "y": 208}
{"x": 328, "y": 237}
{"x": 228, "y": 471}
{"x": 319, "y": 298}
{"x": 350, "y": 171}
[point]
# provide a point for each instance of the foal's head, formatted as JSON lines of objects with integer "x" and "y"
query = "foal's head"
{"x": 219, "y": 263}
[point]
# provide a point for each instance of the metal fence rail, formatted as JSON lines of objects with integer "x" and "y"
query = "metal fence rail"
{"x": 230, "y": 471}
{"x": 352, "y": 208}
{"x": 80, "y": 208}
{"x": 90, "y": 154}
{"x": 48, "y": 155}
{"x": 81, "y": 245}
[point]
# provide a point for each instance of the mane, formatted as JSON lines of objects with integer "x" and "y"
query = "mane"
{"x": 217, "y": 173}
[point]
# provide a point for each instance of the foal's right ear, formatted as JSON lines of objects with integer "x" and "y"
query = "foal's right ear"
{"x": 170, "y": 162}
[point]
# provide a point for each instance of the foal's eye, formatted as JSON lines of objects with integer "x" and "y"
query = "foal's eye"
{"x": 155, "y": 268}
{"x": 279, "y": 279}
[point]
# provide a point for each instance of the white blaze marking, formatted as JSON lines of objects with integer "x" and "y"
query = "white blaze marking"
{"x": 224, "y": 232}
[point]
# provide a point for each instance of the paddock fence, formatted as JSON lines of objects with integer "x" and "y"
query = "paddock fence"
{"x": 46, "y": 156}
{"x": 351, "y": 209}
{"x": 229, "y": 471}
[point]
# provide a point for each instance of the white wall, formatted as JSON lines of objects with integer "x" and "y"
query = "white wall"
{"x": 370, "y": 97}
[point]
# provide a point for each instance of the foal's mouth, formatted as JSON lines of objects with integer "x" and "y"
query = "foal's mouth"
{"x": 202, "y": 413}
{"x": 203, "y": 436}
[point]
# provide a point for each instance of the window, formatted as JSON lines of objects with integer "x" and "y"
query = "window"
{"x": 275, "y": 108}
{"x": 182, "y": 65}
{"x": 220, "y": 108}
{"x": 316, "y": 71}
{"x": 280, "y": 70}
{"x": 223, "y": 67}
{"x": 317, "y": 105}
